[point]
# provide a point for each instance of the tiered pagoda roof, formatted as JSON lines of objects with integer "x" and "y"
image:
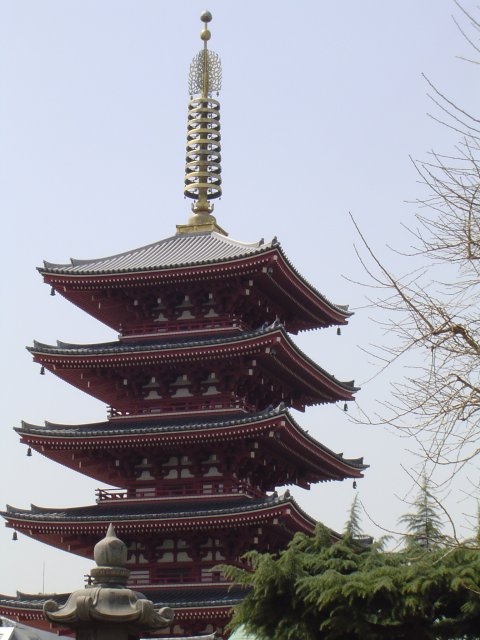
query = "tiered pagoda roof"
{"x": 110, "y": 288}
{"x": 271, "y": 369}
{"x": 283, "y": 435}
{"x": 158, "y": 517}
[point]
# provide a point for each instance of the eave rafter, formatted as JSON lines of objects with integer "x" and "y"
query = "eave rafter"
{"x": 278, "y": 434}
{"x": 67, "y": 530}
{"x": 123, "y": 368}
{"x": 270, "y": 272}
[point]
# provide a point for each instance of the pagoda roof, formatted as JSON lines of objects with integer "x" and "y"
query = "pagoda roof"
{"x": 31, "y": 600}
{"x": 182, "y": 348}
{"x": 160, "y": 516}
{"x": 180, "y": 250}
{"x": 155, "y": 432}
{"x": 122, "y": 514}
{"x": 182, "y": 255}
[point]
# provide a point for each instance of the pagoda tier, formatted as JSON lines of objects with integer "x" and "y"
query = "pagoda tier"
{"x": 170, "y": 543}
{"x": 197, "y": 610}
{"x": 248, "y": 371}
{"x": 226, "y": 455}
{"x": 194, "y": 282}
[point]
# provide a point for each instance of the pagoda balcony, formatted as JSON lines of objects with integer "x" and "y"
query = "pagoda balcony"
{"x": 193, "y": 406}
{"x": 181, "y": 490}
{"x": 196, "y": 326}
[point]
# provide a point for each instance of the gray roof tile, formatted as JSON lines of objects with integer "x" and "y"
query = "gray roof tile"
{"x": 169, "y": 425}
{"x": 118, "y": 347}
{"x": 176, "y": 251}
{"x": 149, "y": 511}
{"x": 182, "y": 250}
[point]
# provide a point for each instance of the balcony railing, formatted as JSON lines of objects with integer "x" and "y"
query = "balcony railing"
{"x": 184, "y": 327}
{"x": 169, "y": 407}
{"x": 177, "y": 575}
{"x": 179, "y": 490}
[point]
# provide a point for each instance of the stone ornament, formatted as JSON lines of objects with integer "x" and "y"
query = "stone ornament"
{"x": 108, "y": 601}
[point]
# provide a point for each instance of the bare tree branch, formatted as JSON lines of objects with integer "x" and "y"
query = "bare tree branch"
{"x": 432, "y": 313}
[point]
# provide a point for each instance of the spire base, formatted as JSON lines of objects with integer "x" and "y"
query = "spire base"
{"x": 201, "y": 222}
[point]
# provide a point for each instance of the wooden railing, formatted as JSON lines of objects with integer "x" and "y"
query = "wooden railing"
{"x": 175, "y": 575}
{"x": 179, "y": 489}
{"x": 106, "y": 495}
{"x": 184, "y": 327}
{"x": 169, "y": 407}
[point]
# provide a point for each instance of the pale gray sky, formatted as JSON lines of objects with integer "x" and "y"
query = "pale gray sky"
{"x": 322, "y": 104}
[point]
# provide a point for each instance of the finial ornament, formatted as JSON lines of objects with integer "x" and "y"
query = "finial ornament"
{"x": 203, "y": 169}
{"x": 107, "y": 608}
{"x": 205, "y": 76}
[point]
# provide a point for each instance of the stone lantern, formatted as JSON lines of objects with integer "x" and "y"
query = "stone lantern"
{"x": 107, "y": 609}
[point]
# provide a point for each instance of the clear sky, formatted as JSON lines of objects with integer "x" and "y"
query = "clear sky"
{"x": 322, "y": 104}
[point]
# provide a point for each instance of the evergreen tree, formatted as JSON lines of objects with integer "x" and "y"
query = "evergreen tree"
{"x": 423, "y": 525}
{"x": 325, "y": 589}
{"x": 352, "y": 526}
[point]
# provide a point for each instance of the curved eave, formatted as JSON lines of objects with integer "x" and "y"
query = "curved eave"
{"x": 269, "y": 259}
{"x": 28, "y": 613}
{"x": 271, "y": 342}
{"x": 339, "y": 313}
{"x": 278, "y": 427}
{"x": 45, "y": 522}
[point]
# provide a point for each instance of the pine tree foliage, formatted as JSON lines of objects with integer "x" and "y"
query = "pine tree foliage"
{"x": 353, "y": 527}
{"x": 325, "y": 589}
{"x": 423, "y": 525}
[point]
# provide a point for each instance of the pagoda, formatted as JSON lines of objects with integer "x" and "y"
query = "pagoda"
{"x": 198, "y": 435}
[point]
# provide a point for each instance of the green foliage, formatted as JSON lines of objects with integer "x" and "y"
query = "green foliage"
{"x": 352, "y": 526}
{"x": 424, "y": 525}
{"x": 322, "y": 589}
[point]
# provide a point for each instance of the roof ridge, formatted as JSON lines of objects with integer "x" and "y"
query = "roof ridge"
{"x": 182, "y": 239}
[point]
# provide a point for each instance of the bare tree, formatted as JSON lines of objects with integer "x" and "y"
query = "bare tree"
{"x": 434, "y": 311}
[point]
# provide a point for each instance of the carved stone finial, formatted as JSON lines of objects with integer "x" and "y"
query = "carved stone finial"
{"x": 110, "y": 551}
{"x": 108, "y": 609}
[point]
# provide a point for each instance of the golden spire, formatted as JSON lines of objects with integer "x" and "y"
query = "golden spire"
{"x": 202, "y": 169}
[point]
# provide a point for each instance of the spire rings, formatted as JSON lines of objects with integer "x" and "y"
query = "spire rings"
{"x": 203, "y": 169}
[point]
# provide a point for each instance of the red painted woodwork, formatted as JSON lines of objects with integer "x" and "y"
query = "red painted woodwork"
{"x": 260, "y": 288}
{"x": 192, "y": 443}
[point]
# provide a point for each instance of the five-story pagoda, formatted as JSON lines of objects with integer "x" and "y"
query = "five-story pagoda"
{"x": 198, "y": 386}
